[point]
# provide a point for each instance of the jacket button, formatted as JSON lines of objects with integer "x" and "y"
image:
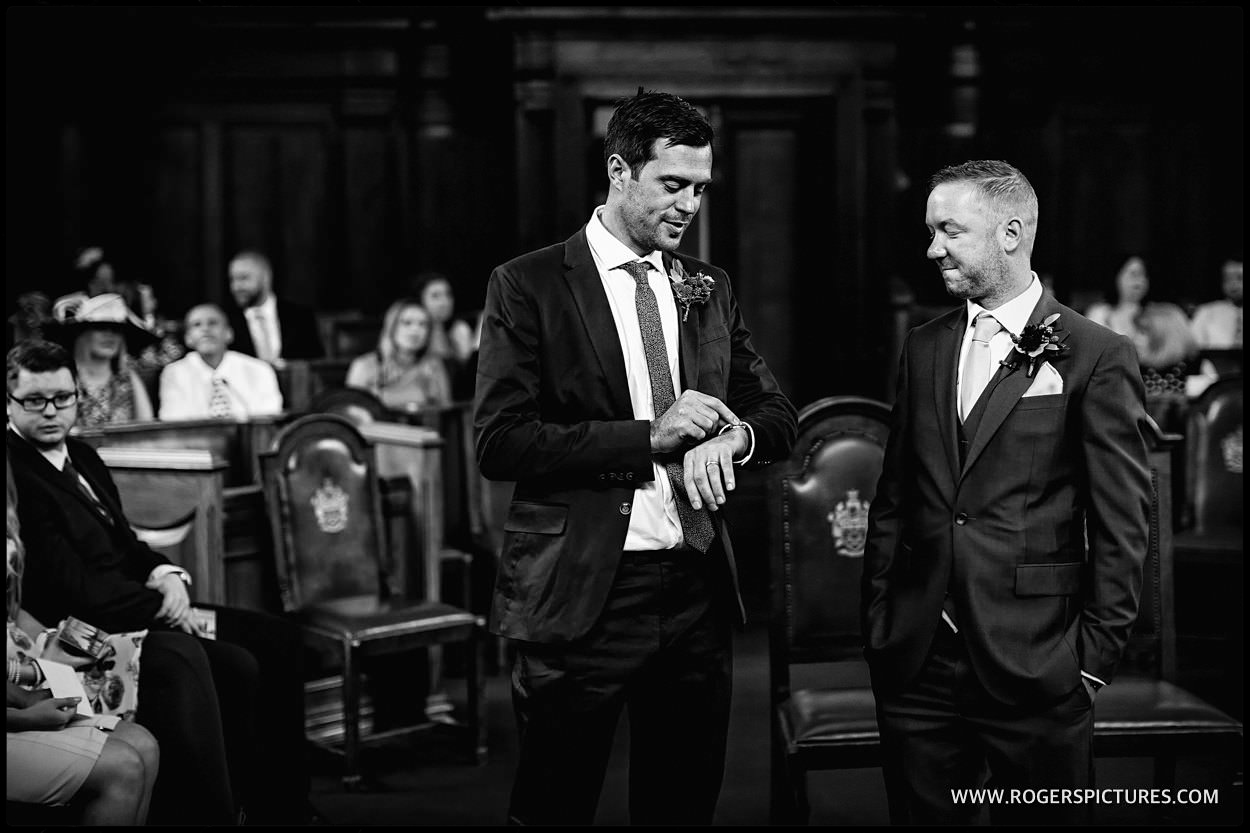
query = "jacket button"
{"x": 961, "y": 519}
{"x": 625, "y": 507}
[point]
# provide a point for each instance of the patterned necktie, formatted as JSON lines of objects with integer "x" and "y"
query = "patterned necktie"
{"x": 219, "y": 404}
{"x": 696, "y": 524}
{"x": 977, "y": 362}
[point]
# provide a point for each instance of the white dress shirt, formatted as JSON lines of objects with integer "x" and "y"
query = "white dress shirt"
{"x": 1013, "y": 315}
{"x": 653, "y": 522}
{"x": 187, "y": 387}
{"x": 266, "y": 330}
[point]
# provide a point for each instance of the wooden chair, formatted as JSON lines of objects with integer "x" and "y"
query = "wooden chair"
{"x": 818, "y": 512}
{"x": 357, "y": 404}
{"x": 817, "y": 501}
{"x": 334, "y": 572}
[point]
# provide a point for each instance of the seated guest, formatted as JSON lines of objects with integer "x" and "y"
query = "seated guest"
{"x": 219, "y": 722}
{"x": 1217, "y": 324}
{"x": 269, "y": 327}
{"x": 93, "y": 273}
{"x": 1131, "y": 285}
{"x": 34, "y": 311}
{"x": 1166, "y": 353}
{"x": 103, "y": 335}
{"x": 141, "y": 297}
{"x": 213, "y": 380}
{"x": 102, "y": 765}
{"x": 403, "y": 372}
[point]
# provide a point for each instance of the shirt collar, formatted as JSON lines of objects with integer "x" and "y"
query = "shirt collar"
{"x": 269, "y": 306}
{"x": 610, "y": 251}
{"x": 1014, "y": 314}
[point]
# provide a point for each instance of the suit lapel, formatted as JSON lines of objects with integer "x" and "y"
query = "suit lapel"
{"x": 944, "y": 379}
{"x": 1005, "y": 393}
{"x": 41, "y": 467}
{"x": 583, "y": 279}
{"x": 687, "y": 336}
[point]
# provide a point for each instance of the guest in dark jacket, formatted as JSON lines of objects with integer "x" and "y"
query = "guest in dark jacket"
{"x": 220, "y": 723}
{"x": 266, "y": 326}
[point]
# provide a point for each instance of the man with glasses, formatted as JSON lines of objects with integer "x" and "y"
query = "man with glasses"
{"x": 201, "y": 698}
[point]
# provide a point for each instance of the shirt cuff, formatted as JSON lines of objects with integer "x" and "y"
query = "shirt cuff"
{"x": 750, "y": 439}
{"x": 161, "y": 570}
{"x": 1097, "y": 682}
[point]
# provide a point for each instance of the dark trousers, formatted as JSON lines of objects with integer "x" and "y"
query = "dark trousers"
{"x": 271, "y": 780}
{"x": 197, "y": 697}
{"x": 944, "y": 733}
{"x": 662, "y": 648}
{"x": 228, "y": 715}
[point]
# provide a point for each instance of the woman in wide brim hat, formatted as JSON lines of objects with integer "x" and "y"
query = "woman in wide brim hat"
{"x": 99, "y": 331}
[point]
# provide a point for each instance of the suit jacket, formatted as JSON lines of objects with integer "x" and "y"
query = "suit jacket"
{"x": 553, "y": 413}
{"x": 300, "y": 337}
{"x": 78, "y": 563}
{"x": 1039, "y": 536}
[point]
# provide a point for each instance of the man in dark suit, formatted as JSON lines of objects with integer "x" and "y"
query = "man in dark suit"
{"x": 618, "y": 386}
{"x": 1010, "y": 524}
{"x": 265, "y": 325}
{"x": 220, "y": 723}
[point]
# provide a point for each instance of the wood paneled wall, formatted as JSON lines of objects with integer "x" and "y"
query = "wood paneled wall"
{"x": 358, "y": 145}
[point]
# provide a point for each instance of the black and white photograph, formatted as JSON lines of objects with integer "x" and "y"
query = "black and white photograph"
{"x": 735, "y": 415}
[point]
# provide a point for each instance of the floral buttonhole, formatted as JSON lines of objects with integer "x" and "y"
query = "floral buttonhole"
{"x": 1037, "y": 341}
{"x": 690, "y": 289}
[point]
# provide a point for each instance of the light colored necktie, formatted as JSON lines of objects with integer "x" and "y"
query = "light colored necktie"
{"x": 219, "y": 405}
{"x": 264, "y": 343}
{"x": 696, "y": 524}
{"x": 977, "y": 373}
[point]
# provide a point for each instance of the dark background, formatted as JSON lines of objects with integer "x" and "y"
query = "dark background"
{"x": 357, "y": 145}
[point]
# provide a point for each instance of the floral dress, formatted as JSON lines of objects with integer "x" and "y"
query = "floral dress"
{"x": 112, "y": 402}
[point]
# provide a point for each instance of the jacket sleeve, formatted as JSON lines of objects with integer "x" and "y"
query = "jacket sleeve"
{"x": 1118, "y": 517}
{"x": 59, "y": 581}
{"x": 754, "y": 395}
{"x": 515, "y": 441}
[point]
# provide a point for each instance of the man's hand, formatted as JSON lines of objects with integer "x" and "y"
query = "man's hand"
{"x": 708, "y": 469}
{"x": 176, "y": 604}
{"x": 691, "y": 419}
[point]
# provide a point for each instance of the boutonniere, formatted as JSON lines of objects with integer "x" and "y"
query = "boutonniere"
{"x": 1035, "y": 342}
{"x": 690, "y": 289}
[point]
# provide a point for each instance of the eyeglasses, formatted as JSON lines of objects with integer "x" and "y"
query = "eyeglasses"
{"x": 37, "y": 404}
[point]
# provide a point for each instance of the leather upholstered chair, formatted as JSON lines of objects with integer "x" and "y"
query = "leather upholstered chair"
{"x": 1213, "y": 520}
{"x": 818, "y": 512}
{"x": 817, "y": 504}
{"x": 1144, "y": 713}
{"x": 334, "y": 572}
{"x": 357, "y": 404}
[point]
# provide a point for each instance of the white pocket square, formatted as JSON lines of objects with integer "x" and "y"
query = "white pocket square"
{"x": 1046, "y": 382}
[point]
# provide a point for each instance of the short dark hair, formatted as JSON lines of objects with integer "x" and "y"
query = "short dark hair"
{"x": 641, "y": 119}
{"x": 999, "y": 181}
{"x": 37, "y": 356}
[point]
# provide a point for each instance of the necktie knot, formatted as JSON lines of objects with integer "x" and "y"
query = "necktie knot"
{"x": 985, "y": 327}
{"x": 638, "y": 269}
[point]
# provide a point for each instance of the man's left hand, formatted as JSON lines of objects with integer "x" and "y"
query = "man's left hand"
{"x": 175, "y": 604}
{"x": 708, "y": 469}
